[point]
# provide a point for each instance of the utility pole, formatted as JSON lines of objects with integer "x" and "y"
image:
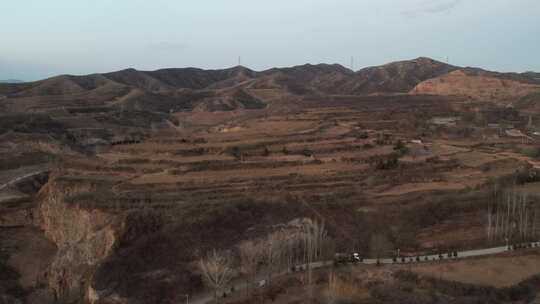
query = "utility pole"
{"x": 239, "y": 60}
{"x": 352, "y": 63}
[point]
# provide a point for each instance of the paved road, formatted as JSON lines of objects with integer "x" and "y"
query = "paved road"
{"x": 17, "y": 179}
{"x": 205, "y": 298}
{"x": 434, "y": 257}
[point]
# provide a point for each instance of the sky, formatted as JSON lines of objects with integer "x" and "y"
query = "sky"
{"x": 43, "y": 38}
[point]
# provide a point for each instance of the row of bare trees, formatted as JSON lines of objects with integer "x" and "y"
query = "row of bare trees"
{"x": 300, "y": 244}
{"x": 511, "y": 216}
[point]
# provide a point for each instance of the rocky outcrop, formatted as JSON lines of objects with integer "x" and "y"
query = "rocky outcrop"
{"x": 25, "y": 252}
{"x": 83, "y": 237}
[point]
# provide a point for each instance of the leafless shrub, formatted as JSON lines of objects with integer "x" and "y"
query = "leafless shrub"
{"x": 250, "y": 257}
{"x": 216, "y": 269}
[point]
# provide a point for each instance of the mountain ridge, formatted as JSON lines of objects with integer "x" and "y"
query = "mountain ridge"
{"x": 185, "y": 89}
{"x": 408, "y": 72}
{"x": 11, "y": 81}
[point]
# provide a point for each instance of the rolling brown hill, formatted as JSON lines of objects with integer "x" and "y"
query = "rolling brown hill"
{"x": 184, "y": 89}
{"x": 477, "y": 86}
{"x": 87, "y": 101}
{"x": 395, "y": 77}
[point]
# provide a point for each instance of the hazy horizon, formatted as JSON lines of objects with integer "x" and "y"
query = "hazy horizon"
{"x": 43, "y": 39}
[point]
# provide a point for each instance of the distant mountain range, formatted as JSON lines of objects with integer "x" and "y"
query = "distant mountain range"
{"x": 187, "y": 89}
{"x": 11, "y": 81}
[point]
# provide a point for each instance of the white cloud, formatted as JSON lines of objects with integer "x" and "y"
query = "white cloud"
{"x": 431, "y": 7}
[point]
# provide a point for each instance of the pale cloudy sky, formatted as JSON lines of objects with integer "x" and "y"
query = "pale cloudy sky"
{"x": 42, "y": 38}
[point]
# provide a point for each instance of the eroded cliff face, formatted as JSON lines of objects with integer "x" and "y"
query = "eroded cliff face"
{"x": 83, "y": 237}
{"x": 482, "y": 88}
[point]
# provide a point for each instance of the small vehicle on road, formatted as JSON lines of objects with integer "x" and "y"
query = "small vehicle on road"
{"x": 347, "y": 258}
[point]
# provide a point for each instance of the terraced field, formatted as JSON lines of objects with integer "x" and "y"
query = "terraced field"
{"x": 330, "y": 154}
{"x": 147, "y": 172}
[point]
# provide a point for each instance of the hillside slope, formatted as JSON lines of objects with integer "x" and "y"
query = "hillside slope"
{"x": 396, "y": 77}
{"x": 186, "y": 89}
{"x": 478, "y": 86}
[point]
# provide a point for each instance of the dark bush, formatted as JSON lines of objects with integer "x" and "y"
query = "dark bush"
{"x": 367, "y": 146}
{"x": 307, "y": 152}
{"x": 363, "y": 135}
{"x": 401, "y": 148}
{"x": 526, "y": 175}
{"x": 236, "y": 153}
{"x": 391, "y": 162}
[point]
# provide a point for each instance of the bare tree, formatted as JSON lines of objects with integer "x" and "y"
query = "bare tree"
{"x": 534, "y": 233}
{"x": 328, "y": 249}
{"x": 272, "y": 248}
{"x": 292, "y": 243}
{"x": 379, "y": 245}
{"x": 251, "y": 254}
{"x": 333, "y": 288}
{"x": 314, "y": 233}
{"x": 489, "y": 221}
{"x": 511, "y": 217}
{"x": 216, "y": 269}
{"x": 342, "y": 290}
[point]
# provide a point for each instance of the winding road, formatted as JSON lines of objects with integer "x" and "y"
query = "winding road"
{"x": 19, "y": 178}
